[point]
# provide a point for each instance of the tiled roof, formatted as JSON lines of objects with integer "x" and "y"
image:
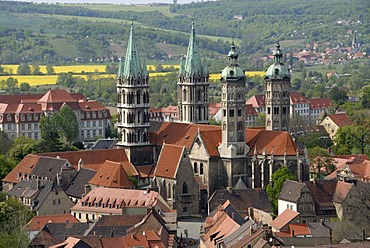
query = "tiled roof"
{"x": 340, "y": 119}
{"x": 70, "y": 242}
{"x": 112, "y": 175}
{"x": 94, "y": 159}
{"x": 145, "y": 170}
{"x": 213, "y": 108}
{"x": 169, "y": 160}
{"x": 359, "y": 171}
{"x": 320, "y": 103}
{"x": 77, "y": 186}
{"x": 284, "y": 218}
{"x": 250, "y": 110}
{"x": 28, "y": 108}
{"x": 341, "y": 191}
{"x": 121, "y": 198}
{"x": 181, "y": 134}
{"x": 257, "y": 101}
{"x": 296, "y": 98}
{"x": 322, "y": 192}
{"x": 149, "y": 239}
{"x": 56, "y": 96}
{"x": 291, "y": 191}
{"x": 38, "y": 222}
{"x": 26, "y": 166}
{"x": 299, "y": 229}
{"x": 16, "y": 99}
{"x": 44, "y": 239}
{"x": 319, "y": 229}
{"x": 271, "y": 141}
{"x": 241, "y": 200}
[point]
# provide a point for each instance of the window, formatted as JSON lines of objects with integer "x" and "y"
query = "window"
{"x": 94, "y": 123}
{"x": 99, "y": 114}
{"x": 58, "y": 201}
{"x": 88, "y": 115}
{"x": 23, "y": 127}
{"x": 201, "y": 169}
{"x": 185, "y": 209}
{"x": 239, "y": 112}
{"x": 29, "y": 127}
{"x": 29, "y": 117}
{"x": 36, "y": 126}
{"x": 268, "y": 110}
{"x": 54, "y": 202}
{"x": 22, "y": 118}
{"x": 8, "y": 117}
{"x": 224, "y": 112}
{"x": 195, "y": 167}
{"x": 87, "y": 216}
{"x": 185, "y": 188}
{"x": 79, "y": 215}
{"x": 35, "y": 117}
{"x": 93, "y": 114}
{"x": 36, "y": 136}
{"x": 9, "y": 126}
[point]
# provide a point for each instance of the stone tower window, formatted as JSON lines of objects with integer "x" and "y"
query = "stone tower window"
{"x": 201, "y": 169}
{"x": 185, "y": 188}
{"x": 195, "y": 167}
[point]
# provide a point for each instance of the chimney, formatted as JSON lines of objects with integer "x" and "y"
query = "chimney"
{"x": 58, "y": 179}
{"x": 87, "y": 188}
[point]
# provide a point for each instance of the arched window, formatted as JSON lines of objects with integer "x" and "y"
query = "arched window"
{"x": 138, "y": 96}
{"x": 169, "y": 191}
{"x": 185, "y": 188}
{"x": 201, "y": 169}
{"x": 195, "y": 167}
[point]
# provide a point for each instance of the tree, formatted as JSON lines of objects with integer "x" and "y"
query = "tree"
{"x": 338, "y": 96}
{"x": 68, "y": 124}
{"x": 5, "y": 143}
{"x": 261, "y": 120}
{"x": 24, "y": 87}
{"x": 21, "y": 147}
{"x": 11, "y": 84}
{"x": 321, "y": 164}
{"x": 49, "y": 134}
{"x": 24, "y": 69}
{"x": 6, "y": 166}
{"x": 66, "y": 79}
{"x": 50, "y": 70}
{"x": 365, "y": 96}
{"x": 278, "y": 179}
{"x": 320, "y": 139}
{"x": 36, "y": 70}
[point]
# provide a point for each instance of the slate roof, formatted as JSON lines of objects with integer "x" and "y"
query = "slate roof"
{"x": 291, "y": 191}
{"x": 77, "y": 186}
{"x": 44, "y": 239}
{"x": 37, "y": 191}
{"x": 284, "y": 219}
{"x": 322, "y": 192}
{"x": 318, "y": 229}
{"x": 71, "y": 242}
{"x": 114, "y": 225}
{"x": 169, "y": 160}
{"x": 94, "y": 159}
{"x": 241, "y": 200}
{"x": 112, "y": 175}
{"x": 64, "y": 230}
{"x": 38, "y": 222}
{"x": 101, "y": 144}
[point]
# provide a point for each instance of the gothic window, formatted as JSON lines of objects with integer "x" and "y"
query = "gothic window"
{"x": 240, "y": 125}
{"x": 195, "y": 167}
{"x": 224, "y": 113}
{"x": 284, "y": 110}
{"x": 138, "y": 117}
{"x": 239, "y": 112}
{"x": 268, "y": 110}
{"x": 138, "y": 96}
{"x": 185, "y": 188}
{"x": 224, "y": 125}
{"x": 276, "y": 110}
{"x": 231, "y": 113}
{"x": 169, "y": 191}
{"x": 201, "y": 169}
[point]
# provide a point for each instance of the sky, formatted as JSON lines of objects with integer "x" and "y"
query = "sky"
{"x": 110, "y": 1}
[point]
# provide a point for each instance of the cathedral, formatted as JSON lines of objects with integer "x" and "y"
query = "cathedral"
{"x": 226, "y": 156}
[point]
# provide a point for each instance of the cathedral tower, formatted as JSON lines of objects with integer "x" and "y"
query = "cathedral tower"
{"x": 233, "y": 109}
{"x": 193, "y": 86}
{"x": 133, "y": 100}
{"x": 277, "y": 94}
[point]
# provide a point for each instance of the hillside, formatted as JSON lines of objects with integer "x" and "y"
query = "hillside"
{"x": 51, "y": 33}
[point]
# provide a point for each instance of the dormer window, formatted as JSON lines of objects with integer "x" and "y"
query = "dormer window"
{"x": 100, "y": 114}
{"x": 88, "y": 115}
{"x": 93, "y": 115}
{"x": 35, "y": 117}
{"x": 29, "y": 117}
{"x": 8, "y": 117}
{"x": 23, "y": 118}
{"x": 82, "y": 115}
{"x": 105, "y": 114}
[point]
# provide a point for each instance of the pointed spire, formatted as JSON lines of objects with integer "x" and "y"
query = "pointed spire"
{"x": 233, "y": 55}
{"x": 132, "y": 63}
{"x": 193, "y": 64}
{"x": 181, "y": 68}
{"x": 277, "y": 54}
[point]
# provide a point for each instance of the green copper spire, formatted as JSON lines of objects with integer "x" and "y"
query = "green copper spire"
{"x": 181, "y": 68}
{"x": 193, "y": 64}
{"x": 133, "y": 66}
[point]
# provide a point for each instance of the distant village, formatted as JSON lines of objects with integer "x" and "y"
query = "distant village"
{"x": 170, "y": 179}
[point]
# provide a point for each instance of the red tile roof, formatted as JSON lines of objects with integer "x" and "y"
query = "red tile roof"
{"x": 299, "y": 229}
{"x": 250, "y": 110}
{"x": 38, "y": 222}
{"x": 25, "y": 166}
{"x": 56, "y": 96}
{"x": 257, "y": 101}
{"x": 341, "y": 191}
{"x": 94, "y": 159}
{"x": 284, "y": 219}
{"x": 147, "y": 240}
{"x": 340, "y": 119}
{"x": 320, "y": 103}
{"x": 112, "y": 175}
{"x": 213, "y": 108}
{"x": 212, "y": 140}
{"x": 296, "y": 98}
{"x": 169, "y": 160}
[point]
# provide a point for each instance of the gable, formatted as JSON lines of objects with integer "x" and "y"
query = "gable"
{"x": 198, "y": 149}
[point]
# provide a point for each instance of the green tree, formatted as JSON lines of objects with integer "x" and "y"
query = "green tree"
{"x": 21, "y": 147}
{"x": 66, "y": 79}
{"x": 321, "y": 164}
{"x": 338, "y": 96}
{"x": 278, "y": 179}
{"x": 6, "y": 166}
{"x": 36, "y": 70}
{"x": 365, "y": 96}
{"x": 24, "y": 69}
{"x": 320, "y": 139}
{"x": 68, "y": 124}
{"x": 11, "y": 84}
{"x": 24, "y": 87}
{"x": 49, "y": 134}
{"x": 261, "y": 120}
{"x": 50, "y": 70}
{"x": 5, "y": 143}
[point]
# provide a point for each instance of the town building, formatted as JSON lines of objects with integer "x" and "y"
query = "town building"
{"x": 20, "y": 115}
{"x": 333, "y": 122}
